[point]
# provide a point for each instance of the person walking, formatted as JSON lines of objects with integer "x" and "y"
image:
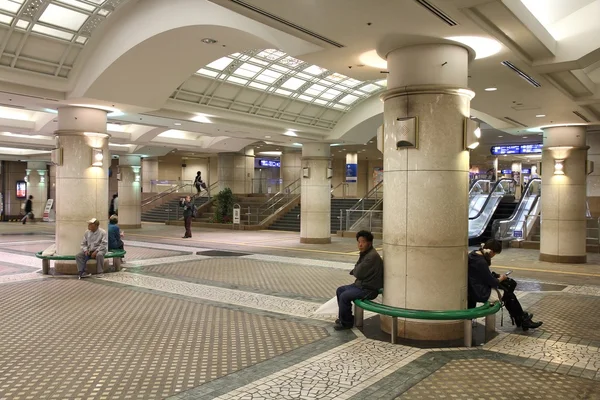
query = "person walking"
{"x": 28, "y": 210}
{"x": 198, "y": 182}
{"x": 189, "y": 209}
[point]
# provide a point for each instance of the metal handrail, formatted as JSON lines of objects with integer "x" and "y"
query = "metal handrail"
{"x": 278, "y": 201}
{"x": 476, "y": 181}
{"x": 344, "y": 190}
{"x": 374, "y": 208}
{"x": 162, "y": 194}
{"x": 368, "y": 196}
{"x": 501, "y": 233}
{"x": 208, "y": 190}
{"x": 490, "y": 196}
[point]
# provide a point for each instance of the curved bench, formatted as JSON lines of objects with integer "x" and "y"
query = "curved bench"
{"x": 487, "y": 310}
{"x": 116, "y": 255}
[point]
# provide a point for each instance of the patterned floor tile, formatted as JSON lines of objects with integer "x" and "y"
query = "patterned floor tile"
{"x": 80, "y": 339}
{"x": 310, "y": 281}
{"x": 487, "y": 379}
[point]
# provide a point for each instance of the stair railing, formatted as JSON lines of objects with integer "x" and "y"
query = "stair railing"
{"x": 345, "y": 186}
{"x": 173, "y": 189}
{"x": 278, "y": 201}
{"x": 376, "y": 193}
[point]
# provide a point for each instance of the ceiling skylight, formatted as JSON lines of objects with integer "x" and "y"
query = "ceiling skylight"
{"x": 63, "y": 17}
{"x": 274, "y": 71}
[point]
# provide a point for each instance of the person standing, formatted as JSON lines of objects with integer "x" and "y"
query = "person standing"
{"x": 368, "y": 272}
{"x": 94, "y": 245}
{"x": 114, "y": 202}
{"x": 188, "y": 212}
{"x": 28, "y": 210}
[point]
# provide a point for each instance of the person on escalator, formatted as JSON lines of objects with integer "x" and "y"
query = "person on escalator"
{"x": 485, "y": 285}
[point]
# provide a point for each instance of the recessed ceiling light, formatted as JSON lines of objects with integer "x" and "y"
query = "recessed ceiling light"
{"x": 267, "y": 137}
{"x": 177, "y": 124}
{"x": 209, "y": 41}
{"x": 372, "y": 59}
{"x": 483, "y": 47}
{"x": 500, "y": 136}
{"x": 370, "y": 141}
{"x": 491, "y": 89}
{"x": 290, "y": 132}
{"x": 540, "y": 115}
{"x": 524, "y": 137}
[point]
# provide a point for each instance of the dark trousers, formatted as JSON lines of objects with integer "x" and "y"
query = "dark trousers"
{"x": 345, "y": 295}
{"x": 188, "y": 226}
{"x": 511, "y": 303}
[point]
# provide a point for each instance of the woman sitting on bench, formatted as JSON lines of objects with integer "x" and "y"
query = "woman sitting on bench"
{"x": 485, "y": 285}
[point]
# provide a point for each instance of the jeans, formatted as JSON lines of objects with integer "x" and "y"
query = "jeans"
{"x": 345, "y": 295}
{"x": 188, "y": 226}
{"x": 82, "y": 259}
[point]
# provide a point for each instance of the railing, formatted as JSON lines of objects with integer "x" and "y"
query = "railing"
{"x": 178, "y": 188}
{"x": 266, "y": 185}
{"x": 371, "y": 220}
{"x": 352, "y": 217}
{"x": 175, "y": 210}
{"x": 520, "y": 223}
{"x": 345, "y": 189}
{"x": 159, "y": 186}
{"x": 289, "y": 194}
{"x": 480, "y": 215}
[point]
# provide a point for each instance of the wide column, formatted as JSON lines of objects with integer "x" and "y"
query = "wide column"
{"x": 37, "y": 186}
{"x": 130, "y": 196}
{"x": 563, "y": 233}
{"x": 593, "y": 179}
{"x": 81, "y": 189}
{"x": 149, "y": 174}
{"x": 425, "y": 206}
{"x": 315, "y": 218}
{"x": 291, "y": 167}
{"x": 236, "y": 171}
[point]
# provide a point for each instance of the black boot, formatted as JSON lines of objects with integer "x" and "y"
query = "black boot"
{"x": 529, "y": 324}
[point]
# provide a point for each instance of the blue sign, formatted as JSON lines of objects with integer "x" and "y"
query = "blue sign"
{"x": 526, "y": 170}
{"x": 352, "y": 173}
{"x": 518, "y": 234}
{"x": 269, "y": 163}
{"x": 517, "y": 149}
{"x": 506, "y": 171}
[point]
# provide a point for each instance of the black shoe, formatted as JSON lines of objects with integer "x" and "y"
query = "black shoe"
{"x": 519, "y": 321}
{"x": 341, "y": 327}
{"x": 529, "y": 324}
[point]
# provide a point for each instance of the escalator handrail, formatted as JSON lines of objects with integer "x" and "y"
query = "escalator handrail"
{"x": 514, "y": 213}
{"x": 475, "y": 182}
{"x": 490, "y": 196}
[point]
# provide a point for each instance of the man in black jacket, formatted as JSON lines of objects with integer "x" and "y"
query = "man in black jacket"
{"x": 28, "y": 210}
{"x": 368, "y": 272}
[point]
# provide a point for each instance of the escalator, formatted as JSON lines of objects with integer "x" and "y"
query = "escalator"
{"x": 489, "y": 201}
{"x": 521, "y": 222}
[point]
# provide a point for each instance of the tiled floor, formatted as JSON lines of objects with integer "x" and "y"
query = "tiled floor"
{"x": 180, "y": 325}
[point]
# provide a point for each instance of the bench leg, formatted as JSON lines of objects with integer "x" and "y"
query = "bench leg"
{"x": 468, "y": 333}
{"x": 117, "y": 264}
{"x": 358, "y": 316}
{"x": 45, "y": 267}
{"x": 490, "y": 327}
{"x": 394, "y": 330}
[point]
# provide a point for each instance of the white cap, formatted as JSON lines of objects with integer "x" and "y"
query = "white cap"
{"x": 92, "y": 221}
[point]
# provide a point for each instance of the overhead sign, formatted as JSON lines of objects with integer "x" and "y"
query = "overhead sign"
{"x": 507, "y": 171}
{"x": 526, "y": 170}
{"x": 269, "y": 163}
{"x": 351, "y": 173}
{"x": 517, "y": 149}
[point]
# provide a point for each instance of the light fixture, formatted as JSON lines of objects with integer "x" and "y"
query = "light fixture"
{"x": 208, "y": 41}
{"x": 483, "y": 47}
{"x": 136, "y": 172}
{"x": 202, "y": 118}
{"x": 559, "y": 167}
{"x": 290, "y": 132}
{"x": 372, "y": 59}
{"x": 97, "y": 157}
{"x": 491, "y": 89}
{"x": 471, "y": 134}
{"x": 267, "y": 137}
{"x": 177, "y": 123}
{"x": 540, "y": 115}
{"x": 500, "y": 136}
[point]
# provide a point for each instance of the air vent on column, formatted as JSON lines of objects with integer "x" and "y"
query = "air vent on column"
{"x": 286, "y": 22}
{"x": 580, "y": 115}
{"x": 521, "y": 73}
{"x": 514, "y": 121}
{"x": 437, "y": 12}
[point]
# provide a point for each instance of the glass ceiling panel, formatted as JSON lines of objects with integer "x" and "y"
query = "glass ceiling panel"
{"x": 274, "y": 71}
{"x": 12, "y": 6}
{"x": 63, "y": 17}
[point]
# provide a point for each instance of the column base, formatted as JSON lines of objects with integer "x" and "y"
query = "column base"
{"x": 326, "y": 240}
{"x": 443, "y": 331}
{"x": 70, "y": 267}
{"x": 563, "y": 259}
{"x": 133, "y": 226}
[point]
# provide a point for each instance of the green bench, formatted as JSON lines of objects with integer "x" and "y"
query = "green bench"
{"x": 487, "y": 310}
{"x": 116, "y": 255}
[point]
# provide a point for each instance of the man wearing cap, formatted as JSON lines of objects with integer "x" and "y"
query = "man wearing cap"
{"x": 94, "y": 245}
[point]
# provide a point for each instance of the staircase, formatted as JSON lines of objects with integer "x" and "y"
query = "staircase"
{"x": 291, "y": 220}
{"x": 505, "y": 210}
{"x": 170, "y": 210}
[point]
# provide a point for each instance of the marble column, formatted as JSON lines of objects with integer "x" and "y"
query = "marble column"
{"x": 149, "y": 174}
{"x": 291, "y": 167}
{"x": 37, "y": 186}
{"x": 130, "y": 196}
{"x": 425, "y": 207}
{"x": 81, "y": 189}
{"x": 563, "y": 226}
{"x": 352, "y": 174}
{"x": 517, "y": 168}
{"x": 315, "y": 199}
{"x": 593, "y": 179}
{"x": 236, "y": 171}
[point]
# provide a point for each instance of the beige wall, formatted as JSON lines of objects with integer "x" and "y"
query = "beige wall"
{"x": 12, "y": 172}
{"x": 365, "y": 175}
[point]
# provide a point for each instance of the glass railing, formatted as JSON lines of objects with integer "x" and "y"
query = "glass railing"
{"x": 520, "y": 225}
{"x": 266, "y": 185}
{"x": 373, "y": 200}
{"x": 485, "y": 204}
{"x": 281, "y": 199}
{"x": 371, "y": 220}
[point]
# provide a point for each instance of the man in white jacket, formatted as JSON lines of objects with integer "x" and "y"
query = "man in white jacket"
{"x": 94, "y": 245}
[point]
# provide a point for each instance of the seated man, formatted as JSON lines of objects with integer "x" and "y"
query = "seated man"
{"x": 115, "y": 241}
{"x": 94, "y": 245}
{"x": 368, "y": 272}
{"x": 484, "y": 285}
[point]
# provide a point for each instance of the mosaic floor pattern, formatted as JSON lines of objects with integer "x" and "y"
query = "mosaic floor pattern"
{"x": 273, "y": 277}
{"x": 86, "y": 339}
{"x": 481, "y": 379}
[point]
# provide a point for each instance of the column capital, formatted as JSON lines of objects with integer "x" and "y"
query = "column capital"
{"x": 426, "y": 89}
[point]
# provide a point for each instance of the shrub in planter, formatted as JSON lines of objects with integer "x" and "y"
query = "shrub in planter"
{"x": 223, "y": 206}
